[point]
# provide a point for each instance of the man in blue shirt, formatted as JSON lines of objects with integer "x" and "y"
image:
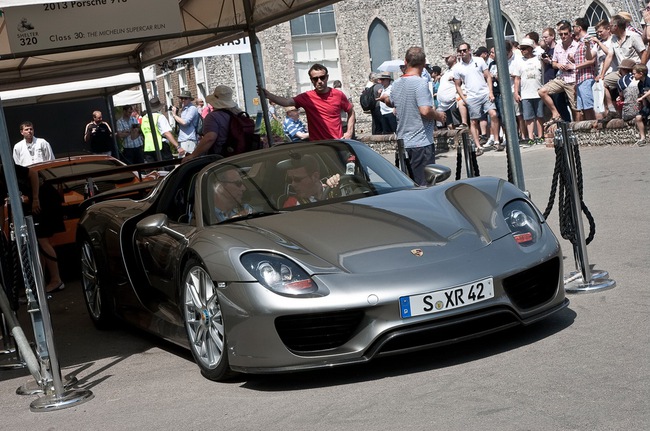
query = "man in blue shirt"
{"x": 293, "y": 127}
{"x": 187, "y": 119}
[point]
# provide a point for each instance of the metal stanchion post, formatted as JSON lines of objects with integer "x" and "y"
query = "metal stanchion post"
{"x": 12, "y": 359}
{"x": 401, "y": 156}
{"x": 56, "y": 396}
{"x": 469, "y": 150}
{"x": 584, "y": 280}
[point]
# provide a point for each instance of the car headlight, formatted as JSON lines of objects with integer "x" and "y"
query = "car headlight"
{"x": 279, "y": 274}
{"x": 523, "y": 222}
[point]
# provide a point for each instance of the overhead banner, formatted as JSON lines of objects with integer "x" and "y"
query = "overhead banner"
{"x": 238, "y": 46}
{"x": 77, "y": 23}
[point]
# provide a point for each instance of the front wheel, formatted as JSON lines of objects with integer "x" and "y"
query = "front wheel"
{"x": 95, "y": 295}
{"x": 204, "y": 322}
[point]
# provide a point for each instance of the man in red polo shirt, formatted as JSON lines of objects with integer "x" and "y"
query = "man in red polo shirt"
{"x": 322, "y": 105}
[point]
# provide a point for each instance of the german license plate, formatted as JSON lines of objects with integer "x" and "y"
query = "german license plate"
{"x": 448, "y": 299}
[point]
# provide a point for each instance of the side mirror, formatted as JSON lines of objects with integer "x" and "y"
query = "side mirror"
{"x": 156, "y": 224}
{"x": 436, "y": 173}
{"x": 152, "y": 225}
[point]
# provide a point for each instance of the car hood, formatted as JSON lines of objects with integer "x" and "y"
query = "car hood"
{"x": 385, "y": 232}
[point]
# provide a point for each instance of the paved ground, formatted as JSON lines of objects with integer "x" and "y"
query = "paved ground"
{"x": 586, "y": 368}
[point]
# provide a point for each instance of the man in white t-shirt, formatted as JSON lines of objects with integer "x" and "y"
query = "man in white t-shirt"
{"x": 31, "y": 149}
{"x": 448, "y": 101}
{"x": 473, "y": 73}
{"x": 526, "y": 90}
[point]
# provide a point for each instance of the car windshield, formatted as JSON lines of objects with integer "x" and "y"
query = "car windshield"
{"x": 294, "y": 177}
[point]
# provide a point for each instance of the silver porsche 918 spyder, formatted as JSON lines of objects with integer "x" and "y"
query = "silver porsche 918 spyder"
{"x": 310, "y": 255}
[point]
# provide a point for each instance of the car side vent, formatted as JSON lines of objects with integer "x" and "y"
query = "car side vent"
{"x": 535, "y": 286}
{"x": 315, "y": 332}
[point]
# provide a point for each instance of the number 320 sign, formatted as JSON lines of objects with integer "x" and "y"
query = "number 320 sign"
{"x": 86, "y": 22}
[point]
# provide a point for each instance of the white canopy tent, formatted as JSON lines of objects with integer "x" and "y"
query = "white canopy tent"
{"x": 81, "y": 89}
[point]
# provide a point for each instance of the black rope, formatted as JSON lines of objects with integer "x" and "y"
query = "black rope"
{"x": 28, "y": 276}
{"x": 559, "y": 184}
{"x": 583, "y": 206}
{"x": 459, "y": 160}
{"x": 509, "y": 166}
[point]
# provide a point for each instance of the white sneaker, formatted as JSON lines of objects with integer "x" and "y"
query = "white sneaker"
{"x": 489, "y": 143}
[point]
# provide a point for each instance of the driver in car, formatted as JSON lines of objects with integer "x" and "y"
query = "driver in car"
{"x": 228, "y": 192}
{"x": 305, "y": 179}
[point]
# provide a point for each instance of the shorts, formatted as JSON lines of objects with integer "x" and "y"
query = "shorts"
{"x": 584, "y": 95}
{"x": 611, "y": 80}
{"x": 557, "y": 85}
{"x": 532, "y": 108}
{"x": 479, "y": 106}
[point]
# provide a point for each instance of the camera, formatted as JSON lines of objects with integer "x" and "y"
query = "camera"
{"x": 545, "y": 55}
{"x": 135, "y": 126}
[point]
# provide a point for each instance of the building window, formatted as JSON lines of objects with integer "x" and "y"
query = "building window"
{"x": 378, "y": 43}
{"x": 169, "y": 94}
{"x": 508, "y": 32}
{"x": 314, "y": 41}
{"x": 182, "y": 79}
{"x": 317, "y": 22}
{"x": 595, "y": 13}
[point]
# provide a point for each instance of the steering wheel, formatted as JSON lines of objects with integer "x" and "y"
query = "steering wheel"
{"x": 348, "y": 185}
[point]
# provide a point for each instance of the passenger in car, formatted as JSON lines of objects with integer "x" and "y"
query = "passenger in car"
{"x": 304, "y": 176}
{"x": 228, "y": 193}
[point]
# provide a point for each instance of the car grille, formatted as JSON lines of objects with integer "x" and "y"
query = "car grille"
{"x": 316, "y": 332}
{"x": 535, "y": 286}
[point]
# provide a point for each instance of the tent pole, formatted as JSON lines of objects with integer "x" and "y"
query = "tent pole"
{"x": 258, "y": 72}
{"x": 508, "y": 116}
{"x": 154, "y": 126}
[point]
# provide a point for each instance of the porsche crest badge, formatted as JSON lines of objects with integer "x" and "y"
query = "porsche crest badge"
{"x": 417, "y": 252}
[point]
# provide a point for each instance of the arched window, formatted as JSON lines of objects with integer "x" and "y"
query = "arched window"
{"x": 508, "y": 32}
{"x": 595, "y": 13}
{"x": 378, "y": 44}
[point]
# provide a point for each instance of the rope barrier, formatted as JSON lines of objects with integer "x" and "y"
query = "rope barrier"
{"x": 560, "y": 186}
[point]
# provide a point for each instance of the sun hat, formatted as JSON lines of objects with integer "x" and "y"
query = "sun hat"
{"x": 221, "y": 98}
{"x": 155, "y": 103}
{"x": 627, "y": 63}
{"x": 185, "y": 94}
{"x": 527, "y": 42}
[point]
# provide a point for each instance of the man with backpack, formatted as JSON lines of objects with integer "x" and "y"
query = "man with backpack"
{"x": 227, "y": 130}
{"x": 368, "y": 101}
{"x": 322, "y": 105}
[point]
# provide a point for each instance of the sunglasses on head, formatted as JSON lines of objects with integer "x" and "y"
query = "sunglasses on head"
{"x": 319, "y": 78}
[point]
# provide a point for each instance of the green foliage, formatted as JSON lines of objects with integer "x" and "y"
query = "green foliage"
{"x": 276, "y": 129}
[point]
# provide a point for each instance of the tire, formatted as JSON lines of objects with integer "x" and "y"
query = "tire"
{"x": 94, "y": 288}
{"x": 204, "y": 324}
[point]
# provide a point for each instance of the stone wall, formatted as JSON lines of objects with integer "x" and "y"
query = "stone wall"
{"x": 615, "y": 132}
